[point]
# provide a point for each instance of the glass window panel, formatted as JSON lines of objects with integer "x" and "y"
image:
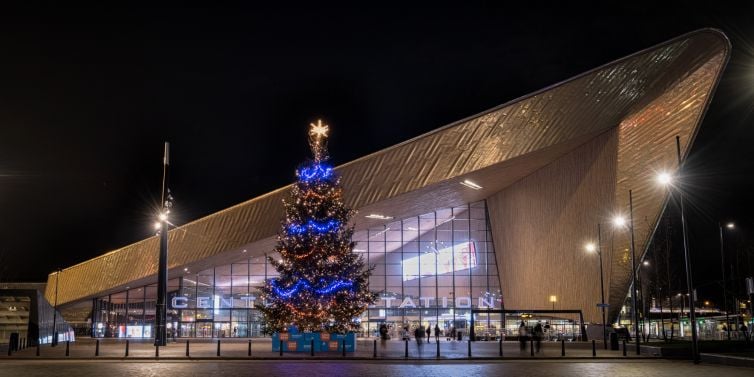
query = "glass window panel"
{"x": 360, "y": 236}
{"x": 222, "y": 270}
{"x": 240, "y": 269}
{"x": 394, "y": 270}
{"x": 394, "y": 257}
{"x": 394, "y": 280}
{"x": 379, "y": 269}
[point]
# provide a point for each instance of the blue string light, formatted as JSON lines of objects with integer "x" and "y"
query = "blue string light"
{"x": 314, "y": 172}
{"x": 303, "y": 284}
{"x": 317, "y": 226}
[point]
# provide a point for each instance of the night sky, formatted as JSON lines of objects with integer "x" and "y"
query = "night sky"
{"x": 88, "y": 96}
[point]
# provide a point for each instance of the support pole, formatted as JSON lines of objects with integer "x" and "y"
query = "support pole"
{"x": 218, "y": 348}
{"x": 126, "y": 347}
{"x": 160, "y": 338}
{"x": 96, "y": 348}
{"x": 187, "y": 348}
{"x": 249, "y": 354}
{"x": 689, "y": 270}
{"x": 633, "y": 272}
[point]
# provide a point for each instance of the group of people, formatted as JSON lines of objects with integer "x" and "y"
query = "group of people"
{"x": 534, "y": 334}
{"x": 419, "y": 333}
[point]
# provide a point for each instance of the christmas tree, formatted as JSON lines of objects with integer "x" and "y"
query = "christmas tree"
{"x": 322, "y": 285}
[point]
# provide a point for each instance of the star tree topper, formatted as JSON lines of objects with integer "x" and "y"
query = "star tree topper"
{"x": 318, "y": 140}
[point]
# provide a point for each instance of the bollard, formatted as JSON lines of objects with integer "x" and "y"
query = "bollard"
{"x": 67, "y": 348}
{"x": 156, "y": 350}
{"x": 187, "y": 348}
{"x": 532, "y": 346}
{"x": 218, "y": 348}
{"x": 344, "y": 347}
{"x": 281, "y": 347}
{"x": 438, "y": 349}
{"x": 406, "y": 353}
{"x": 126, "y": 348}
{"x": 468, "y": 345}
{"x": 594, "y": 349}
{"x": 37, "y": 349}
{"x": 500, "y": 347}
{"x": 562, "y": 347}
{"x": 624, "y": 347}
{"x": 374, "y": 352}
{"x": 311, "y": 347}
{"x": 249, "y": 348}
{"x": 96, "y": 349}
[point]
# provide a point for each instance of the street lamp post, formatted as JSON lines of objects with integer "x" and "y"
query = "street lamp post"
{"x": 666, "y": 179}
{"x": 553, "y": 300}
{"x": 725, "y": 282}
{"x": 55, "y": 312}
{"x": 591, "y": 248}
{"x": 621, "y": 222}
{"x": 160, "y": 338}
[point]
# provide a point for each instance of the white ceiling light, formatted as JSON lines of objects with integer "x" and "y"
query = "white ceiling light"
{"x": 471, "y": 184}
{"x": 378, "y": 217}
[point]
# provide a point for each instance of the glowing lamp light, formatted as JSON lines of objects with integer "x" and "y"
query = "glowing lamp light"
{"x": 163, "y": 216}
{"x": 730, "y": 225}
{"x": 646, "y": 263}
{"x": 471, "y": 184}
{"x": 553, "y": 298}
{"x": 664, "y": 178}
{"x": 157, "y": 225}
{"x": 619, "y": 221}
{"x": 590, "y": 247}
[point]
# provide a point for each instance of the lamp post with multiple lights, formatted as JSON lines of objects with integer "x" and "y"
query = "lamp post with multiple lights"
{"x": 161, "y": 316}
{"x": 725, "y": 282}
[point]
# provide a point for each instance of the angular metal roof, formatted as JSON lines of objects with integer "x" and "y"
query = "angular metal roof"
{"x": 496, "y": 148}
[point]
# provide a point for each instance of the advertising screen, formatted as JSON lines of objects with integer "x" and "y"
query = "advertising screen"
{"x": 442, "y": 262}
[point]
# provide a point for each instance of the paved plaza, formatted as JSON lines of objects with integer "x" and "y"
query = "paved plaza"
{"x": 268, "y": 368}
{"x": 366, "y": 349}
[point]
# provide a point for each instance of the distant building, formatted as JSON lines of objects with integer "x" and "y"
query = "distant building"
{"x": 25, "y": 312}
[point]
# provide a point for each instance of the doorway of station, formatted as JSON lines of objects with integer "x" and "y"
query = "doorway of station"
{"x": 489, "y": 324}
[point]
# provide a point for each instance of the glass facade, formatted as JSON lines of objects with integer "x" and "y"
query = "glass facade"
{"x": 429, "y": 270}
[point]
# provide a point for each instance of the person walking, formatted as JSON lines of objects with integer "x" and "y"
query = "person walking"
{"x": 419, "y": 335}
{"x": 383, "y": 334}
{"x": 437, "y": 333}
{"x": 538, "y": 334}
{"x": 429, "y": 332}
{"x": 522, "y": 336}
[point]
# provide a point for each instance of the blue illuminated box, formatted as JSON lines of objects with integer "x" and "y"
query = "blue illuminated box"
{"x": 302, "y": 342}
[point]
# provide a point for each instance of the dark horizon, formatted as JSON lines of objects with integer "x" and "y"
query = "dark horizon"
{"x": 90, "y": 95}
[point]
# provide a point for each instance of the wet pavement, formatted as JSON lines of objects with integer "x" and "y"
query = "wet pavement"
{"x": 314, "y": 368}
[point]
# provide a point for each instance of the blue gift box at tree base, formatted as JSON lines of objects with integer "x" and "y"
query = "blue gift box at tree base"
{"x": 302, "y": 342}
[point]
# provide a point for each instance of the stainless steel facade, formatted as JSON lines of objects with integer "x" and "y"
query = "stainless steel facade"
{"x": 623, "y": 116}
